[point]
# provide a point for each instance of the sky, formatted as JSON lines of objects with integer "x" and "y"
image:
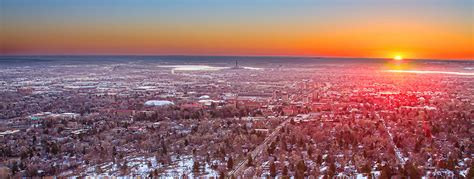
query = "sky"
{"x": 427, "y": 29}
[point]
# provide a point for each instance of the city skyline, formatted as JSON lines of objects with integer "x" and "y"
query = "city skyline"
{"x": 367, "y": 29}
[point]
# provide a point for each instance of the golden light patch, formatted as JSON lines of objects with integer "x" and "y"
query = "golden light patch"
{"x": 398, "y": 58}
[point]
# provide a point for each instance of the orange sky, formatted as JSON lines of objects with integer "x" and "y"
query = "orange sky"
{"x": 300, "y": 32}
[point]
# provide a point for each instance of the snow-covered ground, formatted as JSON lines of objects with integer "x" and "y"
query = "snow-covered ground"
{"x": 143, "y": 166}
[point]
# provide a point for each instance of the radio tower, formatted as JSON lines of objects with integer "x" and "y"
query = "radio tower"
{"x": 236, "y": 65}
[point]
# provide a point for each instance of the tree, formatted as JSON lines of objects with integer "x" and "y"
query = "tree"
{"x": 272, "y": 169}
{"x": 386, "y": 172}
{"x": 366, "y": 169}
{"x": 412, "y": 171}
{"x": 163, "y": 146}
{"x": 98, "y": 170}
{"x": 196, "y": 166}
{"x": 285, "y": 172}
{"x": 470, "y": 174}
{"x": 55, "y": 148}
{"x": 300, "y": 169}
{"x": 451, "y": 163}
{"x": 155, "y": 172}
{"x": 271, "y": 148}
{"x": 319, "y": 159}
{"x": 310, "y": 151}
{"x": 221, "y": 175}
{"x": 230, "y": 163}
{"x": 301, "y": 142}
{"x": 15, "y": 168}
{"x": 332, "y": 169}
{"x": 114, "y": 151}
{"x": 284, "y": 145}
{"x": 249, "y": 161}
{"x": 418, "y": 146}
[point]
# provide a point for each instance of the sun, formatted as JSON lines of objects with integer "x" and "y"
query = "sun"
{"x": 398, "y": 58}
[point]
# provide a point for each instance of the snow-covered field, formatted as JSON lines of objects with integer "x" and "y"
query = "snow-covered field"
{"x": 143, "y": 166}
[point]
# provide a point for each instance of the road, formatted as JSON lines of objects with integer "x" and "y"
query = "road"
{"x": 399, "y": 155}
{"x": 240, "y": 168}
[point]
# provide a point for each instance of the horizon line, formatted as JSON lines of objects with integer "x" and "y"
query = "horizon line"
{"x": 210, "y": 55}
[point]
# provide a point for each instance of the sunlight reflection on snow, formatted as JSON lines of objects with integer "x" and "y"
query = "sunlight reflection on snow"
{"x": 430, "y": 72}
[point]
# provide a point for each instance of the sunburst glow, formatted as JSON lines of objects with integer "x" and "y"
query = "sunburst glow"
{"x": 398, "y": 57}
